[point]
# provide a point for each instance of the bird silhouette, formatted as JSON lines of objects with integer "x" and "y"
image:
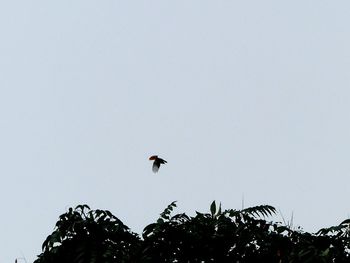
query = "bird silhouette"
{"x": 156, "y": 162}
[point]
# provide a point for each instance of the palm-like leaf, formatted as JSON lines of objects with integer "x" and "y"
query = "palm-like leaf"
{"x": 264, "y": 210}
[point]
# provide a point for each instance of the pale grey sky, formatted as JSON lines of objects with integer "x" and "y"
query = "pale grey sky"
{"x": 240, "y": 97}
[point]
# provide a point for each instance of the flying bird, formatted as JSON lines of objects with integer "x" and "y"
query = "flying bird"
{"x": 156, "y": 162}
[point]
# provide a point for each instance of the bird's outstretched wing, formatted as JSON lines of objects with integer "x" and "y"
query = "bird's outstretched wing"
{"x": 156, "y": 162}
{"x": 155, "y": 166}
{"x": 161, "y": 161}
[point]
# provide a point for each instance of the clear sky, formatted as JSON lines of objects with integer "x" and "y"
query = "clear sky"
{"x": 242, "y": 98}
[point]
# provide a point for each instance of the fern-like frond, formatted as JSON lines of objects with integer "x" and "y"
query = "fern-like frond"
{"x": 167, "y": 211}
{"x": 261, "y": 210}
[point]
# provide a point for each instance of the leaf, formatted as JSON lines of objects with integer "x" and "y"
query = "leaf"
{"x": 167, "y": 211}
{"x": 347, "y": 221}
{"x": 219, "y": 212}
{"x": 148, "y": 230}
{"x": 46, "y": 243}
{"x": 198, "y": 213}
{"x": 82, "y": 207}
{"x": 213, "y": 208}
{"x": 180, "y": 217}
{"x": 264, "y": 210}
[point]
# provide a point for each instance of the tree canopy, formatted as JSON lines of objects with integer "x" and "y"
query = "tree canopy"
{"x": 93, "y": 236}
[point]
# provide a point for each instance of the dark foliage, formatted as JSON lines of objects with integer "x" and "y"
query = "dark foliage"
{"x": 93, "y": 236}
{"x": 84, "y": 235}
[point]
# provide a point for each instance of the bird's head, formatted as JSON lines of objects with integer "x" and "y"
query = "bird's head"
{"x": 153, "y": 157}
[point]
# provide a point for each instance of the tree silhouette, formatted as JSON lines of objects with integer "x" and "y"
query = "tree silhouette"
{"x": 84, "y": 235}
